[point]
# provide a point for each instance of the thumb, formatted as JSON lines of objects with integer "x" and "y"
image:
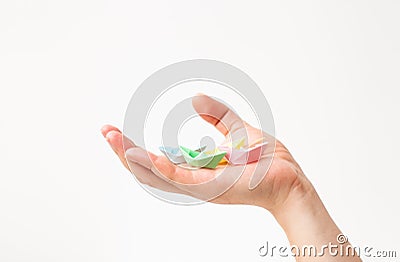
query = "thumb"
{"x": 217, "y": 114}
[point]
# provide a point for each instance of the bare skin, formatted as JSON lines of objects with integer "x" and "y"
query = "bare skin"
{"x": 284, "y": 191}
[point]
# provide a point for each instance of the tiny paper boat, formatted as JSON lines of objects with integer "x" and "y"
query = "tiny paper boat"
{"x": 201, "y": 159}
{"x": 216, "y": 151}
{"x": 243, "y": 155}
{"x": 235, "y": 144}
{"x": 174, "y": 154}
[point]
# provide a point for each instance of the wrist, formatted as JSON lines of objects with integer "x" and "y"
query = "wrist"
{"x": 304, "y": 217}
{"x": 304, "y": 214}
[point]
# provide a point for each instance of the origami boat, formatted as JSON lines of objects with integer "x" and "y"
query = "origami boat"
{"x": 243, "y": 155}
{"x": 235, "y": 144}
{"x": 217, "y": 151}
{"x": 201, "y": 159}
{"x": 174, "y": 154}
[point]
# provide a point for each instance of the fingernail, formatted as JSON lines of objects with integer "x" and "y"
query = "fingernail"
{"x": 108, "y": 138}
{"x": 136, "y": 154}
{"x": 131, "y": 154}
{"x": 103, "y": 131}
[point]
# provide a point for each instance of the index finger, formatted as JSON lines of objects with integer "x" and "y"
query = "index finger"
{"x": 162, "y": 166}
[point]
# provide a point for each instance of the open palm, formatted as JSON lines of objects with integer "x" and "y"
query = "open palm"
{"x": 265, "y": 183}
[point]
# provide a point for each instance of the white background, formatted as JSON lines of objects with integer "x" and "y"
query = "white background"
{"x": 329, "y": 69}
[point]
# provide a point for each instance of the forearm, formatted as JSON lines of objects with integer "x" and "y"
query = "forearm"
{"x": 307, "y": 223}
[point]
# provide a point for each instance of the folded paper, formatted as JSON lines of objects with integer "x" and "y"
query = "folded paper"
{"x": 217, "y": 151}
{"x": 201, "y": 159}
{"x": 235, "y": 144}
{"x": 244, "y": 155}
{"x": 174, "y": 154}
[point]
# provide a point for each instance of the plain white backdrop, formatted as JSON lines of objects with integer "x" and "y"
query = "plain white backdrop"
{"x": 329, "y": 69}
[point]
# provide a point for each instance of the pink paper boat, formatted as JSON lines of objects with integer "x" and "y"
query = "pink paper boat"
{"x": 243, "y": 156}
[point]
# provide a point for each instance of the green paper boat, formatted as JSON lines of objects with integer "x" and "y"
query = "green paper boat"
{"x": 201, "y": 159}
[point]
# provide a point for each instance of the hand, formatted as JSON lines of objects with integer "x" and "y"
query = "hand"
{"x": 284, "y": 175}
{"x": 284, "y": 190}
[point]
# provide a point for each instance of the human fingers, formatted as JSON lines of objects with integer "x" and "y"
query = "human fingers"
{"x": 217, "y": 114}
{"x": 162, "y": 166}
{"x": 144, "y": 175}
